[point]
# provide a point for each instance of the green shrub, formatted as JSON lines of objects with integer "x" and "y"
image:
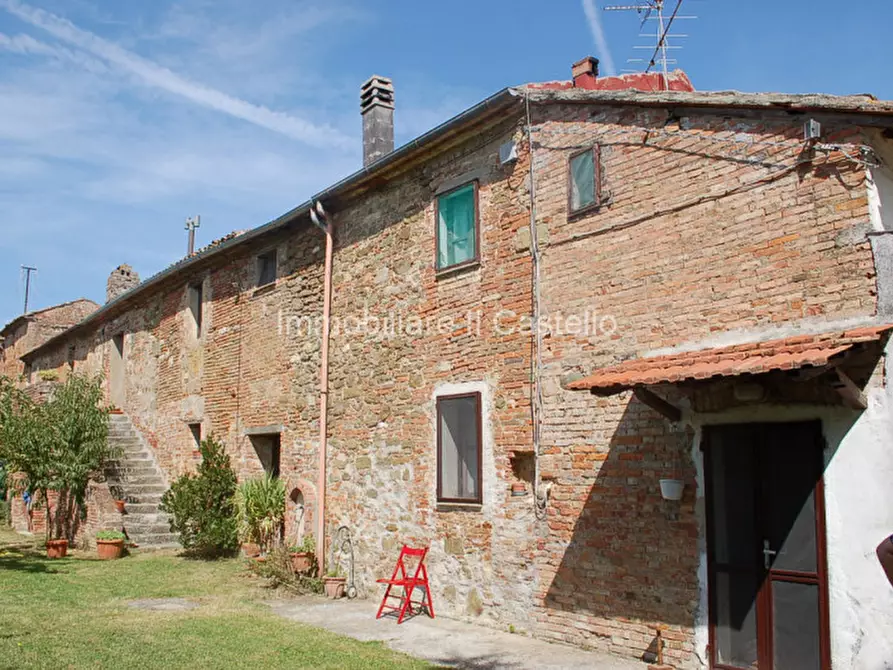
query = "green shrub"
{"x": 260, "y": 505}
{"x": 110, "y": 535}
{"x": 201, "y": 505}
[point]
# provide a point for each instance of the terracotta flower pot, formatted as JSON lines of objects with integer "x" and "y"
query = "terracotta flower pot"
{"x": 250, "y": 550}
{"x": 109, "y": 549}
{"x": 301, "y": 561}
{"x": 519, "y": 489}
{"x": 334, "y": 587}
{"x": 57, "y": 548}
{"x": 120, "y": 505}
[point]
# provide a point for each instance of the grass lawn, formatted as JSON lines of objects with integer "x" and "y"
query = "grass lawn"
{"x": 73, "y": 613}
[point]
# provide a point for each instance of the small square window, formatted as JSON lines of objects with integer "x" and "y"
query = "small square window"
{"x": 459, "y": 448}
{"x": 583, "y": 177}
{"x": 457, "y": 224}
{"x": 266, "y": 268}
{"x": 196, "y": 307}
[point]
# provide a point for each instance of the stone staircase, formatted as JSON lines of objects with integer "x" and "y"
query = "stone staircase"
{"x": 142, "y": 484}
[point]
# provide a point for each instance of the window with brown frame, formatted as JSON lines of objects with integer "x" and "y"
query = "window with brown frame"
{"x": 459, "y": 448}
{"x": 457, "y": 227}
{"x": 583, "y": 189}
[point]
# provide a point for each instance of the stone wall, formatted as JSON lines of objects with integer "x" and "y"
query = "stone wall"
{"x": 707, "y": 226}
{"x": 33, "y": 329}
{"x": 382, "y": 474}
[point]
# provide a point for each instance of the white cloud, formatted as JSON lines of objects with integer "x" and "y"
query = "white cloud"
{"x": 598, "y": 34}
{"x": 160, "y": 77}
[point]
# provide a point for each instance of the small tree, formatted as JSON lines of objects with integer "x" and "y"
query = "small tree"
{"x": 201, "y": 505}
{"x": 56, "y": 446}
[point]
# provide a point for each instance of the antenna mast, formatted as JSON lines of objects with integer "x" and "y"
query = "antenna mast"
{"x": 27, "y": 269}
{"x": 192, "y": 223}
{"x": 653, "y": 10}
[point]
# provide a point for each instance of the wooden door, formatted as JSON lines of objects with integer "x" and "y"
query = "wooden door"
{"x": 766, "y": 547}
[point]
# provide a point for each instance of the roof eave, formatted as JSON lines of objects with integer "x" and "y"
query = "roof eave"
{"x": 502, "y": 98}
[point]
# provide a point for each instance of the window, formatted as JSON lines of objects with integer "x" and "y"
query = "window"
{"x": 196, "y": 430}
{"x": 457, "y": 223}
{"x": 266, "y": 268}
{"x": 459, "y": 448}
{"x": 196, "y": 306}
{"x": 268, "y": 448}
{"x": 583, "y": 176}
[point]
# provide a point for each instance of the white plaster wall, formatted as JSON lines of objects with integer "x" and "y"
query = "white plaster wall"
{"x": 858, "y": 515}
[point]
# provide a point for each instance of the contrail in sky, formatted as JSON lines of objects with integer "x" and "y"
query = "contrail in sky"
{"x": 598, "y": 34}
{"x": 153, "y": 74}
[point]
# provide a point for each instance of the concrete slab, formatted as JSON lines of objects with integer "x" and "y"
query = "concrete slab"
{"x": 445, "y": 641}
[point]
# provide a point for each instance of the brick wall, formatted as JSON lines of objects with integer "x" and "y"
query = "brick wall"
{"x": 618, "y": 559}
{"x": 673, "y": 256}
{"x": 36, "y": 328}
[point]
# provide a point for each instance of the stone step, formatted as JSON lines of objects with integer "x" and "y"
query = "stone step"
{"x": 134, "y": 480}
{"x": 140, "y": 489}
{"x": 147, "y": 531}
{"x": 156, "y": 540}
{"x": 147, "y": 517}
{"x": 138, "y": 470}
{"x": 140, "y": 508}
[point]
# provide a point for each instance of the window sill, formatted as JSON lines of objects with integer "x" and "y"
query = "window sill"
{"x": 594, "y": 208}
{"x": 456, "y": 269}
{"x": 263, "y": 290}
{"x": 458, "y": 507}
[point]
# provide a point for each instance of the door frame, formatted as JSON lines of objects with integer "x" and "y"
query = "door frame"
{"x": 763, "y": 598}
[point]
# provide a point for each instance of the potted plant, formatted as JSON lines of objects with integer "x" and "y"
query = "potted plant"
{"x": 334, "y": 583}
{"x": 110, "y": 544}
{"x": 302, "y": 554}
{"x": 118, "y": 497}
{"x": 260, "y": 510}
{"x": 57, "y": 548}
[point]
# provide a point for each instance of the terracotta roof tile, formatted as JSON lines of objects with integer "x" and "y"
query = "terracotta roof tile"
{"x": 755, "y": 358}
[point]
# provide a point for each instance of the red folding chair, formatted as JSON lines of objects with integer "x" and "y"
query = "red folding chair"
{"x": 406, "y": 586}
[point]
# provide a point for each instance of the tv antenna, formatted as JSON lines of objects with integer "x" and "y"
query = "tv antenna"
{"x": 655, "y": 10}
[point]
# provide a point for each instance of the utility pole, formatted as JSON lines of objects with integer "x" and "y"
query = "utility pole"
{"x": 192, "y": 223}
{"x": 27, "y": 269}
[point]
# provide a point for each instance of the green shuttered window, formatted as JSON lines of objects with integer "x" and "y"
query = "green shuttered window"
{"x": 457, "y": 226}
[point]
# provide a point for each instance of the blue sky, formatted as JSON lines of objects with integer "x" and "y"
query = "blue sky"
{"x": 120, "y": 119}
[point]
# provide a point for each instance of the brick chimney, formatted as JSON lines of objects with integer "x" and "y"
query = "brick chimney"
{"x": 585, "y": 72}
{"x": 377, "y": 108}
{"x": 122, "y": 279}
